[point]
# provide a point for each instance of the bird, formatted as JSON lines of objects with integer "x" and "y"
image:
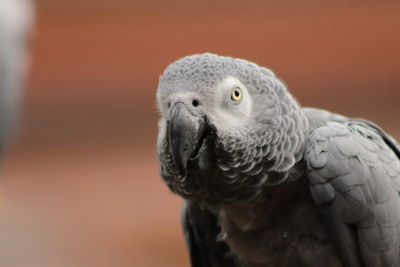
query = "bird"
{"x": 16, "y": 22}
{"x": 267, "y": 182}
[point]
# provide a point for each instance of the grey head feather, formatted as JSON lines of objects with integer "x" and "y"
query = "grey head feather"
{"x": 246, "y": 146}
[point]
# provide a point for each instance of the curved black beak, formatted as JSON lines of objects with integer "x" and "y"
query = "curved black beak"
{"x": 185, "y": 133}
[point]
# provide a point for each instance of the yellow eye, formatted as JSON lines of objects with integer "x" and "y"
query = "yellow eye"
{"x": 236, "y": 94}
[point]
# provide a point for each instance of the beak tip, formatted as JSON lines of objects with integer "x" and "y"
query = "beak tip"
{"x": 181, "y": 166}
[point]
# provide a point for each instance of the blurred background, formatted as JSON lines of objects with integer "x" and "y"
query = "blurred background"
{"x": 80, "y": 186}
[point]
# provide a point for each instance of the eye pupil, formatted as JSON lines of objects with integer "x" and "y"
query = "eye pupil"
{"x": 236, "y": 94}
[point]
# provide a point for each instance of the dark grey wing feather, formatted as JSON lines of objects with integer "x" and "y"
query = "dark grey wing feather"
{"x": 354, "y": 174}
{"x": 345, "y": 239}
{"x": 389, "y": 140}
{"x": 201, "y": 233}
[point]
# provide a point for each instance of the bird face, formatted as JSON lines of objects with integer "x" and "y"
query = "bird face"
{"x": 218, "y": 132}
{"x": 193, "y": 117}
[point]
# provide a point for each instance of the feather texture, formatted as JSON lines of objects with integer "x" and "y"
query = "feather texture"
{"x": 362, "y": 188}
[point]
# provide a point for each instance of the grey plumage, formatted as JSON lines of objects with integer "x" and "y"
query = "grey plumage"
{"x": 269, "y": 183}
{"x": 359, "y": 178}
{"x": 16, "y": 17}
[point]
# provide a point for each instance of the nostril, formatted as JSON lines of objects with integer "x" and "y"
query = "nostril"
{"x": 169, "y": 104}
{"x": 195, "y": 102}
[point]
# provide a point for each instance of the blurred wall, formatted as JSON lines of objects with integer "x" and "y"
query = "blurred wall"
{"x": 83, "y": 175}
{"x": 101, "y": 60}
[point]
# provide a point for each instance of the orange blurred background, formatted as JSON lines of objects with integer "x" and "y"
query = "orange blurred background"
{"x": 81, "y": 185}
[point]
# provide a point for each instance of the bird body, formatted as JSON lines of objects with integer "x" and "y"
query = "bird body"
{"x": 269, "y": 183}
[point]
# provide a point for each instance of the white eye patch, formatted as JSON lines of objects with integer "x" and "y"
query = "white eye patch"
{"x": 234, "y": 97}
{"x": 231, "y": 107}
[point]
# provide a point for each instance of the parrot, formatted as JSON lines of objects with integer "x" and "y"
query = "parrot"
{"x": 267, "y": 182}
{"x": 16, "y": 19}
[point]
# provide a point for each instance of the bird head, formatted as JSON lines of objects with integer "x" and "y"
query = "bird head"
{"x": 228, "y": 127}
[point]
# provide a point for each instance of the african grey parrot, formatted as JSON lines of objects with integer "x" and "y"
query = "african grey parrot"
{"x": 16, "y": 17}
{"x": 267, "y": 182}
